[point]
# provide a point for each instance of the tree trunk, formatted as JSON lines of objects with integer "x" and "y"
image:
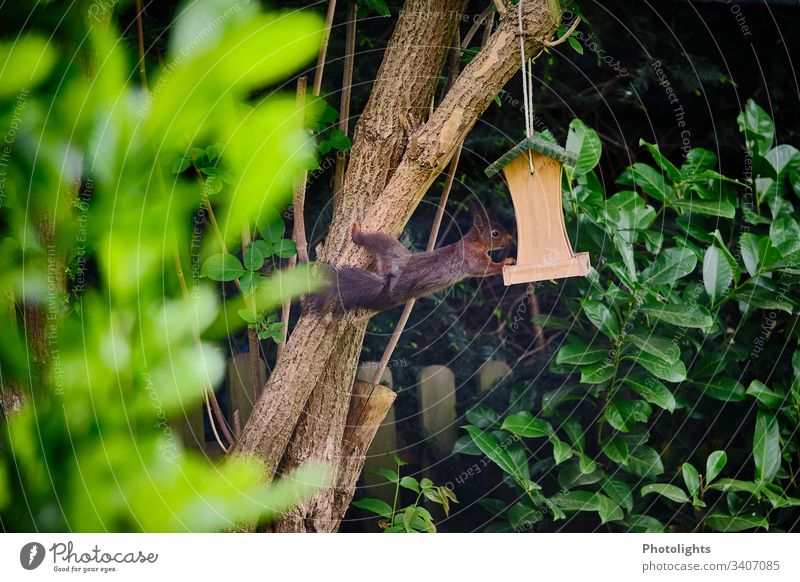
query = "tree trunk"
{"x": 385, "y": 181}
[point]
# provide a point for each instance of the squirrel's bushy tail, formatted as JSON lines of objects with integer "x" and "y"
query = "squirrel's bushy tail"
{"x": 349, "y": 288}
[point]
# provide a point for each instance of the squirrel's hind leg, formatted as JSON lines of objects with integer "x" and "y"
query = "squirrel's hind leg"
{"x": 391, "y": 254}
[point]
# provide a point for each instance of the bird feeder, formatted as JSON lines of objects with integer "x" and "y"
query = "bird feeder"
{"x": 533, "y": 171}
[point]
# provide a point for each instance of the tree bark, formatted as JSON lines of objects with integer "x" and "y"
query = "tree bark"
{"x": 384, "y": 182}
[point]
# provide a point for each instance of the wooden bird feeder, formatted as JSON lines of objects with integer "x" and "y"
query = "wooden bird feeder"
{"x": 543, "y": 248}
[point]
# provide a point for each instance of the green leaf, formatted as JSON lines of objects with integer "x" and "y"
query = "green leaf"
{"x": 692, "y": 479}
{"x": 694, "y": 316}
{"x": 577, "y": 500}
{"x": 222, "y": 267}
{"x": 722, "y": 388}
{"x": 490, "y": 446}
{"x": 748, "y": 245}
{"x": 586, "y": 464}
{"x": 726, "y": 485}
{"x": 285, "y": 249}
{"x": 575, "y": 432}
{"x": 580, "y": 354}
{"x": 765, "y": 396}
{"x": 250, "y": 281}
{"x": 717, "y": 273}
{"x": 337, "y": 140}
{"x": 597, "y": 373}
{"x": 644, "y": 462}
{"x": 669, "y": 266}
{"x": 409, "y": 515}
{"x": 526, "y": 425}
{"x": 671, "y": 372}
{"x": 254, "y": 254}
{"x": 757, "y": 126}
{"x": 727, "y": 254}
{"x": 272, "y": 228}
{"x": 645, "y": 524}
{"x": 482, "y": 416}
{"x": 721, "y": 208}
{"x": 466, "y": 446}
{"x": 576, "y": 46}
{"x": 761, "y": 292}
{"x": 212, "y": 185}
{"x": 601, "y": 317}
{"x": 661, "y": 347}
{"x": 697, "y": 160}
{"x": 375, "y": 506}
{"x": 714, "y": 465}
{"x": 673, "y": 173}
{"x": 766, "y": 447}
{"x": 616, "y": 449}
{"x": 784, "y": 232}
{"x": 653, "y": 391}
{"x": 27, "y": 61}
{"x": 378, "y": 6}
{"x": 618, "y": 491}
{"x": 561, "y": 450}
{"x": 780, "y": 160}
{"x": 608, "y": 510}
{"x": 649, "y": 180}
{"x": 388, "y": 474}
{"x": 671, "y": 492}
{"x": 727, "y": 523}
{"x": 585, "y": 142}
{"x": 523, "y": 513}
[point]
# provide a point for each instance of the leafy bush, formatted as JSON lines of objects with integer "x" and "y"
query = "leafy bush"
{"x": 101, "y": 258}
{"x": 413, "y": 518}
{"x": 681, "y": 395}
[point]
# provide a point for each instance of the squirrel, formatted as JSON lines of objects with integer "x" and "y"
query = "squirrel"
{"x": 402, "y": 275}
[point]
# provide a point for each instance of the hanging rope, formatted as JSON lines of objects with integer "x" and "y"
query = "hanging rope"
{"x": 527, "y": 84}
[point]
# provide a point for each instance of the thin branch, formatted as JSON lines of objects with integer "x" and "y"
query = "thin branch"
{"x": 552, "y": 43}
{"x": 210, "y": 397}
{"x": 347, "y": 87}
{"x": 299, "y": 198}
{"x": 323, "y": 49}
{"x": 501, "y": 8}
{"x": 213, "y": 424}
{"x": 140, "y": 36}
{"x": 298, "y": 222}
{"x": 254, "y": 360}
{"x": 476, "y": 26}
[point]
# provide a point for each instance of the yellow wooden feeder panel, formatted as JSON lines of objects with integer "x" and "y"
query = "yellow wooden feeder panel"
{"x": 543, "y": 248}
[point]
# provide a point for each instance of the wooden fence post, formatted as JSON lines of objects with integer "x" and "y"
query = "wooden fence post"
{"x": 384, "y": 446}
{"x": 437, "y": 402}
{"x": 492, "y": 373}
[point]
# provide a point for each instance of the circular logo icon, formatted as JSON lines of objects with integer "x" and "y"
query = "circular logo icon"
{"x": 31, "y": 555}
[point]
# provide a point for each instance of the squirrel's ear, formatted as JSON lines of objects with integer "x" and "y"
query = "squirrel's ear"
{"x": 478, "y": 217}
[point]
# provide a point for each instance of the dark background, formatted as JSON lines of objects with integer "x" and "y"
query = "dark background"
{"x": 714, "y": 55}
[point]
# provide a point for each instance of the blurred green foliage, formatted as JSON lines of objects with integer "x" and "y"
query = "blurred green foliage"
{"x": 680, "y": 394}
{"x": 108, "y": 315}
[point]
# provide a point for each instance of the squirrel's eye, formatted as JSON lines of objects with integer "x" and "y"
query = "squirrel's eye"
{"x": 495, "y": 234}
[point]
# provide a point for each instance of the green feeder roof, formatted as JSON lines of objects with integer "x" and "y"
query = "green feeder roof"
{"x": 536, "y": 144}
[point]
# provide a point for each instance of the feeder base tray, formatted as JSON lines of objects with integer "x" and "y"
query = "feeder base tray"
{"x": 577, "y": 266}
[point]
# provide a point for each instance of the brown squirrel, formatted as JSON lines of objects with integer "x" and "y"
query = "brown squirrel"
{"x": 403, "y": 275}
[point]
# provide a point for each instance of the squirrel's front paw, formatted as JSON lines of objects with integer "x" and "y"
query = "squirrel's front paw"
{"x": 509, "y": 261}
